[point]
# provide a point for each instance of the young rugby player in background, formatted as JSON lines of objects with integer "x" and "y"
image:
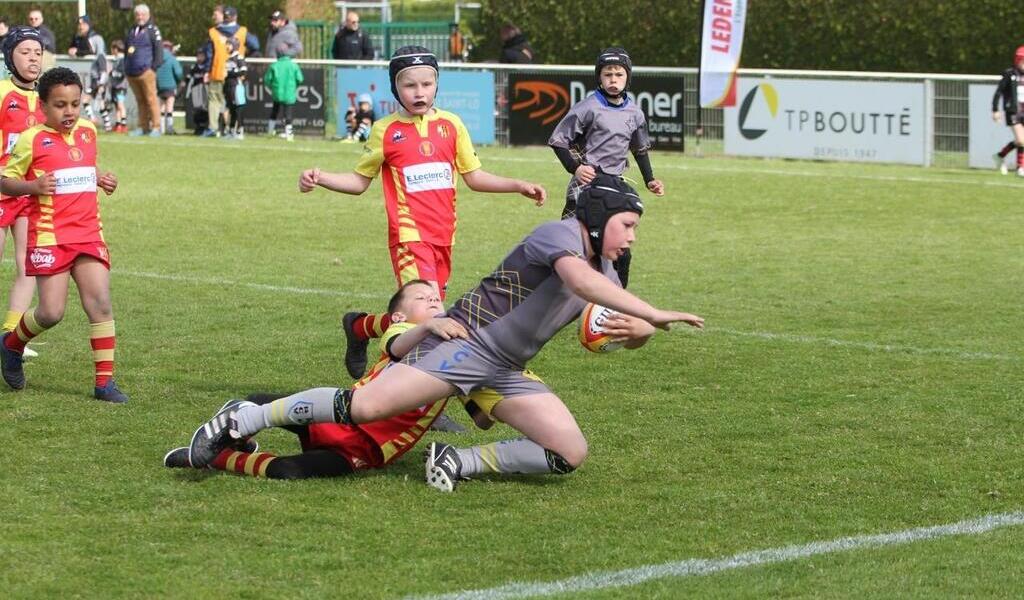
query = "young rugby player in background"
{"x": 596, "y": 133}
{"x": 23, "y": 55}
{"x": 419, "y": 149}
{"x": 55, "y": 163}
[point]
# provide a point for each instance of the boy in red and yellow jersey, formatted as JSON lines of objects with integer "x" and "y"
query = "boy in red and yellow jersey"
{"x": 419, "y": 151}
{"x": 19, "y": 110}
{"x": 55, "y": 163}
{"x": 329, "y": 449}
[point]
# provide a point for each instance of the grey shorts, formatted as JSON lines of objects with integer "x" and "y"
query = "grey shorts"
{"x": 470, "y": 366}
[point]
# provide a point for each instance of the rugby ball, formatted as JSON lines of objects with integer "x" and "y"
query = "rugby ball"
{"x": 592, "y": 335}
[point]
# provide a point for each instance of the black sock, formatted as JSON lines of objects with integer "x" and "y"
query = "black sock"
{"x": 1007, "y": 149}
{"x": 315, "y": 463}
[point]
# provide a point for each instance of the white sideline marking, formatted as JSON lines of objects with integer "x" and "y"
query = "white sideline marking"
{"x": 256, "y": 286}
{"x": 660, "y": 165}
{"x": 807, "y": 339}
{"x": 705, "y": 566}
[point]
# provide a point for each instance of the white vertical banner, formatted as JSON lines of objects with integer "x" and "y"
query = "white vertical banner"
{"x": 721, "y": 42}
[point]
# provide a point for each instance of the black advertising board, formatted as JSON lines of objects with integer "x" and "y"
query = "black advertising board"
{"x": 538, "y": 101}
{"x": 308, "y": 113}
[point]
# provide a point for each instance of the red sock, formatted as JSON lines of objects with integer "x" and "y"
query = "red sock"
{"x": 27, "y": 329}
{"x": 103, "y": 340}
{"x": 233, "y": 461}
{"x": 371, "y": 326}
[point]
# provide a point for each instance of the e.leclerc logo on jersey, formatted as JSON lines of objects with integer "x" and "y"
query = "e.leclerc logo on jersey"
{"x": 762, "y": 97}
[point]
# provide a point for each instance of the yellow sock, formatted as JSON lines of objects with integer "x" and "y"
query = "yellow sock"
{"x": 11, "y": 320}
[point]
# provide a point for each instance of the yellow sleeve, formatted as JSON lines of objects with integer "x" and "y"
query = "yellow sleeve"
{"x": 466, "y": 159}
{"x": 392, "y": 332}
{"x": 21, "y": 157}
{"x": 373, "y": 152}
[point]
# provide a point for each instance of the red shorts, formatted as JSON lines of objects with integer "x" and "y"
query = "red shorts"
{"x": 351, "y": 443}
{"x": 420, "y": 260}
{"x": 12, "y": 207}
{"x": 50, "y": 260}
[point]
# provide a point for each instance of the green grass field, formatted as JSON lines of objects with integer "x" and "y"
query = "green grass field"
{"x": 861, "y": 373}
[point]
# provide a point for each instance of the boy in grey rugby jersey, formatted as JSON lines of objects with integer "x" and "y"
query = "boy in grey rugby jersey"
{"x": 596, "y": 133}
{"x": 539, "y": 288}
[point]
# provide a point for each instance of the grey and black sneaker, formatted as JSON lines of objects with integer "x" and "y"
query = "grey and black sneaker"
{"x": 216, "y": 434}
{"x": 443, "y": 467}
{"x": 178, "y": 458}
{"x": 355, "y": 348}
{"x": 445, "y": 423}
{"x": 11, "y": 365}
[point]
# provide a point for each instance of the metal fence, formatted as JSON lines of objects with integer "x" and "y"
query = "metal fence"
{"x": 318, "y": 36}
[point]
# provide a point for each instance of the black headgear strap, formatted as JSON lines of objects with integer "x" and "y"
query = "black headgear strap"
{"x": 408, "y": 57}
{"x": 606, "y": 196}
{"x": 15, "y": 36}
{"x": 614, "y": 56}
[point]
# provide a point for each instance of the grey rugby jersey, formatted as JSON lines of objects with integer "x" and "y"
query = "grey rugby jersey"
{"x": 605, "y": 133}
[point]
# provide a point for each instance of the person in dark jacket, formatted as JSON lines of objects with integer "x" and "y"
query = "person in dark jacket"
{"x": 145, "y": 54}
{"x": 1013, "y": 108}
{"x": 514, "y": 47}
{"x": 283, "y": 35}
{"x": 351, "y": 42}
{"x": 35, "y": 20}
{"x": 87, "y": 41}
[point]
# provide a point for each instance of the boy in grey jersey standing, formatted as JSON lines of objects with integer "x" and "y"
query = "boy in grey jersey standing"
{"x": 596, "y": 133}
{"x": 539, "y": 288}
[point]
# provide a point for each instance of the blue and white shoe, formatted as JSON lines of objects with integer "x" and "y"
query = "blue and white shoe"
{"x": 110, "y": 393}
{"x": 11, "y": 365}
{"x": 216, "y": 434}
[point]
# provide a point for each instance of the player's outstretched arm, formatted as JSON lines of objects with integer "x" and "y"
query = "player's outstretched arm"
{"x": 590, "y": 285}
{"x": 482, "y": 181}
{"x": 346, "y": 183}
{"x": 443, "y": 327}
{"x": 41, "y": 186}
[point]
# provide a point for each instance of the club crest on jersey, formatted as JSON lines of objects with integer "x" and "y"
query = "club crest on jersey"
{"x": 31, "y": 121}
{"x": 42, "y": 258}
{"x": 75, "y": 154}
{"x": 442, "y": 130}
{"x": 397, "y": 137}
{"x": 426, "y": 148}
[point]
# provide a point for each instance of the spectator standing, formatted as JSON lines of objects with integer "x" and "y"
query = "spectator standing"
{"x": 144, "y": 55}
{"x": 87, "y": 41}
{"x": 283, "y": 38}
{"x": 351, "y": 42}
{"x": 283, "y": 78}
{"x": 225, "y": 28}
{"x": 515, "y": 48}
{"x": 5, "y": 27}
{"x": 168, "y": 76}
{"x": 35, "y": 20}
{"x": 196, "y": 93}
{"x": 119, "y": 86}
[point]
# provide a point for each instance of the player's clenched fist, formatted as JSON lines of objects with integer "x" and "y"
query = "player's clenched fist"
{"x": 45, "y": 185}
{"x": 309, "y": 179}
{"x": 108, "y": 183}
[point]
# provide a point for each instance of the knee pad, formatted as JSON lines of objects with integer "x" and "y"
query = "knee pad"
{"x": 558, "y": 464}
{"x": 343, "y": 407}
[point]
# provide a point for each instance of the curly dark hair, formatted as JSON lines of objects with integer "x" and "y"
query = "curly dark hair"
{"x": 54, "y": 77}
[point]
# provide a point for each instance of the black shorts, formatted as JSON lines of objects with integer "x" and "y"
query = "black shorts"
{"x": 165, "y": 94}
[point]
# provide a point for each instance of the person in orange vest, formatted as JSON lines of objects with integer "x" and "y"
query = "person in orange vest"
{"x": 225, "y": 27}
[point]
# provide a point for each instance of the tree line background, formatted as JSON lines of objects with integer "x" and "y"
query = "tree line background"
{"x": 949, "y": 36}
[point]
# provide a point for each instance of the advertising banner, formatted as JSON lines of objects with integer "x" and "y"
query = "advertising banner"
{"x": 308, "y": 114}
{"x": 828, "y": 120}
{"x": 468, "y": 94}
{"x": 720, "y": 44}
{"x": 986, "y": 136}
{"x": 538, "y": 101}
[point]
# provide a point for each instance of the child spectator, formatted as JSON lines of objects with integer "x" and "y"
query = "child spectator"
{"x": 119, "y": 87}
{"x": 234, "y": 88}
{"x": 168, "y": 77}
{"x": 55, "y": 163}
{"x": 95, "y": 100}
{"x": 283, "y": 79}
{"x": 359, "y": 119}
{"x": 196, "y": 95}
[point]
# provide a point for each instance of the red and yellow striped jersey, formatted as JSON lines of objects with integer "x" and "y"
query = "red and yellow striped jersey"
{"x": 394, "y": 436}
{"x": 418, "y": 158}
{"x": 19, "y": 110}
{"x": 71, "y": 215}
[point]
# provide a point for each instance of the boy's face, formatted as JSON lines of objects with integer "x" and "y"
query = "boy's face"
{"x": 364, "y": 106}
{"x": 416, "y": 89}
{"x": 28, "y": 60}
{"x": 62, "y": 107}
{"x": 613, "y": 79}
{"x": 420, "y": 303}
{"x": 619, "y": 234}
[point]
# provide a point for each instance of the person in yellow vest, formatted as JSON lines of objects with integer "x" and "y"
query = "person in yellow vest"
{"x": 225, "y": 27}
